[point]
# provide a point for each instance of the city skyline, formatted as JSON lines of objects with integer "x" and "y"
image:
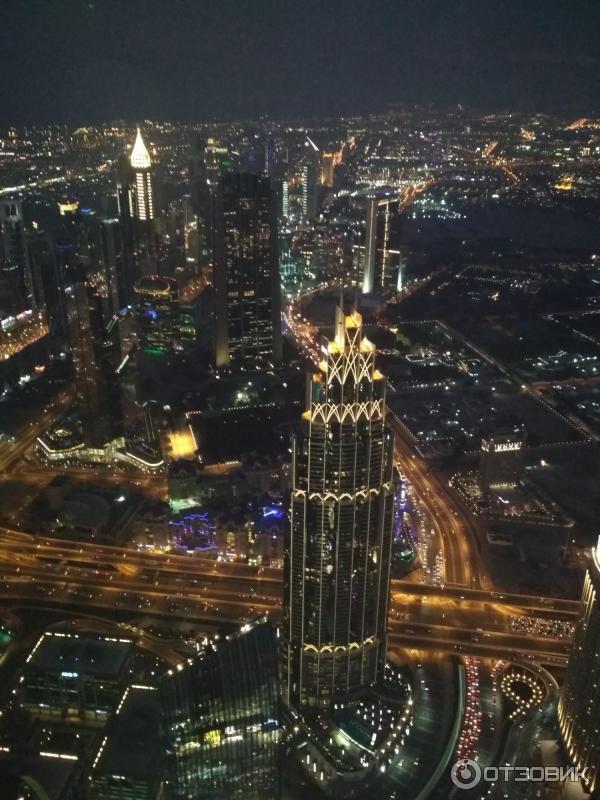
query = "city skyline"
{"x": 299, "y": 400}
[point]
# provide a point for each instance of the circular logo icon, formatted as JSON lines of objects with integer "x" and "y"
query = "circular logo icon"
{"x": 465, "y": 773}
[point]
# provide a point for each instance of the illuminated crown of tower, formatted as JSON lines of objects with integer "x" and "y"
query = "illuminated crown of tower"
{"x": 140, "y": 157}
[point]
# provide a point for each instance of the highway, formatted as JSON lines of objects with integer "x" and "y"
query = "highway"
{"x": 114, "y": 581}
{"x": 462, "y": 565}
{"x": 224, "y": 608}
{"x": 26, "y": 547}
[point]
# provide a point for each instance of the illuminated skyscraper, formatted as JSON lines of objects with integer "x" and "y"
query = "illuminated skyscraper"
{"x": 138, "y": 212}
{"x": 116, "y": 264}
{"x": 246, "y": 273}
{"x": 378, "y": 259}
{"x": 285, "y": 199}
{"x": 270, "y": 169}
{"x": 96, "y": 356}
{"x": 14, "y": 262}
{"x": 209, "y": 158}
{"x": 337, "y": 559}
{"x": 579, "y": 704}
{"x": 221, "y": 719}
{"x": 311, "y": 174}
{"x": 40, "y": 254}
{"x": 143, "y": 199}
{"x": 216, "y": 159}
{"x": 329, "y": 161}
{"x": 310, "y": 187}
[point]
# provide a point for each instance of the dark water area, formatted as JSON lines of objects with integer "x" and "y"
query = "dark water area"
{"x": 546, "y": 227}
{"x": 528, "y": 228}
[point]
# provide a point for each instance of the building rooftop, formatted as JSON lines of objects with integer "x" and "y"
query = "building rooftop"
{"x": 131, "y": 745}
{"x": 58, "y": 652}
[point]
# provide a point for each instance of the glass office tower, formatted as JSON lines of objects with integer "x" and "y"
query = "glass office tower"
{"x": 246, "y": 273}
{"x": 221, "y": 719}
{"x": 379, "y": 260}
{"x": 96, "y": 356}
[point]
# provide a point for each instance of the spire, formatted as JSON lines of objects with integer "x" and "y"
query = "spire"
{"x": 140, "y": 157}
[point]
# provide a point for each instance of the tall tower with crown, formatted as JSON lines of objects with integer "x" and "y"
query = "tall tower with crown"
{"x": 338, "y": 553}
{"x": 143, "y": 194}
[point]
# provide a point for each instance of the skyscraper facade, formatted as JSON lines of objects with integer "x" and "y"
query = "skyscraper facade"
{"x": 40, "y": 254}
{"x": 285, "y": 199}
{"x": 247, "y": 329}
{"x": 14, "y": 263}
{"x": 138, "y": 211}
{"x": 96, "y": 356}
{"x": 337, "y": 558}
{"x": 377, "y": 256}
{"x": 310, "y": 186}
{"x": 221, "y": 719}
{"x": 157, "y": 312}
{"x": 329, "y": 161}
{"x": 208, "y": 159}
{"x": 579, "y": 704}
{"x": 117, "y": 265}
{"x": 143, "y": 197}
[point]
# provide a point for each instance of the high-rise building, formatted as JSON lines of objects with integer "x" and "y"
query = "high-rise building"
{"x": 400, "y": 280}
{"x": 246, "y": 273}
{"x": 117, "y": 265}
{"x": 14, "y": 261}
{"x": 156, "y": 300}
{"x": 221, "y": 719}
{"x": 40, "y": 254}
{"x": 329, "y": 161}
{"x": 96, "y": 356}
{"x": 579, "y": 704}
{"x": 378, "y": 259}
{"x": 285, "y": 199}
{"x": 337, "y": 557}
{"x": 310, "y": 187}
{"x": 124, "y": 176}
{"x": 197, "y": 167}
{"x": 143, "y": 197}
{"x": 216, "y": 159}
{"x": 208, "y": 159}
{"x": 79, "y": 227}
{"x": 501, "y": 460}
{"x": 138, "y": 210}
{"x": 58, "y": 287}
{"x": 270, "y": 162}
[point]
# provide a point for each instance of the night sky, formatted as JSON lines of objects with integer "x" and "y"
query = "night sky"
{"x": 75, "y": 61}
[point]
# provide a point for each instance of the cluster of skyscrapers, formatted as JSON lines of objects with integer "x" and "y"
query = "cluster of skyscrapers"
{"x": 113, "y": 289}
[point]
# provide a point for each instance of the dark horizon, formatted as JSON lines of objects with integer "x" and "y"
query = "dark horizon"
{"x": 306, "y": 120}
{"x": 76, "y": 61}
